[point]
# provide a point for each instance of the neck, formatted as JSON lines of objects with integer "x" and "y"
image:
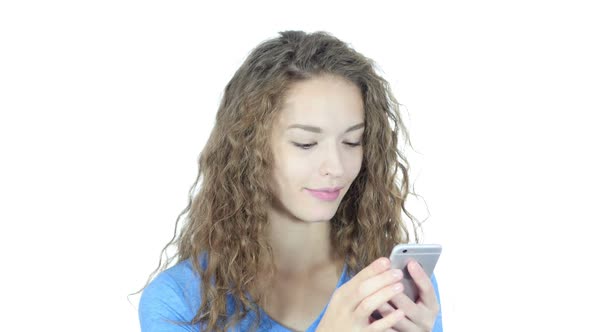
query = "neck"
{"x": 300, "y": 248}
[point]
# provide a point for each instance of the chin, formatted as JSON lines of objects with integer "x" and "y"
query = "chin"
{"x": 319, "y": 218}
{"x": 315, "y": 221}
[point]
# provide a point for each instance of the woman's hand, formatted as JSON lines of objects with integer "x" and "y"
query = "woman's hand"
{"x": 353, "y": 303}
{"x": 419, "y": 316}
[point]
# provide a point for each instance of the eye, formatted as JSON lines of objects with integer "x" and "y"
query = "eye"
{"x": 304, "y": 146}
{"x": 308, "y": 146}
{"x": 352, "y": 144}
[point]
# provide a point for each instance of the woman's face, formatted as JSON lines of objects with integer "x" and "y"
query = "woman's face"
{"x": 314, "y": 146}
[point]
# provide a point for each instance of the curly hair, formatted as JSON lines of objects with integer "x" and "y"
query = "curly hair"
{"x": 227, "y": 217}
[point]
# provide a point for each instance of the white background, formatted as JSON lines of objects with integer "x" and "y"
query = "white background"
{"x": 105, "y": 106}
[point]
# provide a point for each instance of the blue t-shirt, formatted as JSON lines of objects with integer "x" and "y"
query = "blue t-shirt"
{"x": 174, "y": 295}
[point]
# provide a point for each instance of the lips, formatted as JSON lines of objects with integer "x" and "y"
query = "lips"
{"x": 327, "y": 190}
{"x": 325, "y": 194}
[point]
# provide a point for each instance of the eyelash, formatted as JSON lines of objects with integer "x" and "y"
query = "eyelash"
{"x": 308, "y": 146}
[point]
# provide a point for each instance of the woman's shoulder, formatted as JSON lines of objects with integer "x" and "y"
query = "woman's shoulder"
{"x": 174, "y": 295}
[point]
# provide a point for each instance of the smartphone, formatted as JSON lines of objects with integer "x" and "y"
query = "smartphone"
{"x": 425, "y": 254}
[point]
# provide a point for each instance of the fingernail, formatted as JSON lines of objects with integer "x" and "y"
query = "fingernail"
{"x": 397, "y": 274}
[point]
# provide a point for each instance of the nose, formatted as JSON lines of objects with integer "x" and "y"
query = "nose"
{"x": 332, "y": 163}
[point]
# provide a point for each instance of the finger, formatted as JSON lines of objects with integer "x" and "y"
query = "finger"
{"x": 424, "y": 285}
{"x": 405, "y": 325}
{"x": 386, "y": 323}
{"x": 418, "y": 315}
{"x": 367, "y": 281}
{"x": 385, "y": 309}
{"x": 376, "y": 267}
{"x": 374, "y": 301}
{"x": 412, "y": 310}
{"x": 375, "y": 283}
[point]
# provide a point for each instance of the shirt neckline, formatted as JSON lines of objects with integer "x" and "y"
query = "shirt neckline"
{"x": 265, "y": 316}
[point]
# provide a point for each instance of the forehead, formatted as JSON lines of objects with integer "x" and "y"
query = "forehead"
{"x": 322, "y": 100}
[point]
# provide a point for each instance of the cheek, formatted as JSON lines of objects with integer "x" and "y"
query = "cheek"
{"x": 284, "y": 173}
{"x": 292, "y": 165}
{"x": 292, "y": 175}
{"x": 359, "y": 164}
{"x": 355, "y": 163}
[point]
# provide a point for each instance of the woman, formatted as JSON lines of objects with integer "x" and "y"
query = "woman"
{"x": 300, "y": 204}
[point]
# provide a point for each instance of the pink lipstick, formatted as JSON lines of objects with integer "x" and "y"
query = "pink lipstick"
{"x": 325, "y": 195}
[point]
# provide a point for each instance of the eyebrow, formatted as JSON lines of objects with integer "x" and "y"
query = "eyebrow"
{"x": 319, "y": 130}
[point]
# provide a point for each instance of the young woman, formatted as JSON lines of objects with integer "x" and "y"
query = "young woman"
{"x": 301, "y": 202}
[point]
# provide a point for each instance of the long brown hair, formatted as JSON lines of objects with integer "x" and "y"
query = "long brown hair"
{"x": 227, "y": 217}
